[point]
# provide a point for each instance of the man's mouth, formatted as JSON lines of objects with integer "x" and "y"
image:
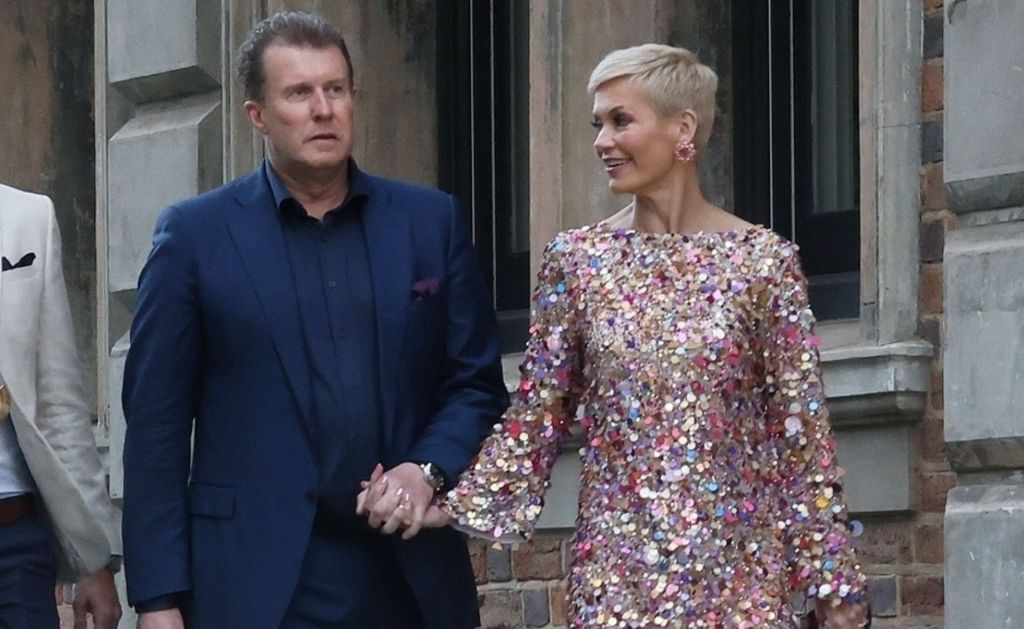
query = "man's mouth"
{"x": 324, "y": 136}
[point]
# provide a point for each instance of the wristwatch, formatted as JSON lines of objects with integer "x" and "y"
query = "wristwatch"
{"x": 434, "y": 476}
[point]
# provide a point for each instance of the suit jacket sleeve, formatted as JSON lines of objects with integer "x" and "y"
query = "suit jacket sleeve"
{"x": 472, "y": 396}
{"x": 160, "y": 397}
{"x": 63, "y": 415}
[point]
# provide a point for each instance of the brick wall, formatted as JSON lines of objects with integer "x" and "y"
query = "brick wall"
{"x": 903, "y": 555}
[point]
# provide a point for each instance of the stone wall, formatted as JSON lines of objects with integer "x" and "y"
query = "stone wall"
{"x": 46, "y": 131}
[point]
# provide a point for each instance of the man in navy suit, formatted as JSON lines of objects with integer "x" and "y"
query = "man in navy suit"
{"x": 293, "y": 329}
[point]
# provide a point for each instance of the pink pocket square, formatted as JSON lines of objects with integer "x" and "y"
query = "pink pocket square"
{"x": 425, "y": 287}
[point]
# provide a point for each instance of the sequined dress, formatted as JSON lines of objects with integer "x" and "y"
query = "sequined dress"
{"x": 709, "y": 489}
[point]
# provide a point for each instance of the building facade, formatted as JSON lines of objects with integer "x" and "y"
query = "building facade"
{"x": 837, "y": 124}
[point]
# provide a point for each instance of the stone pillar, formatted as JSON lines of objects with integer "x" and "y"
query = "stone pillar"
{"x": 984, "y": 305}
{"x": 164, "y": 131}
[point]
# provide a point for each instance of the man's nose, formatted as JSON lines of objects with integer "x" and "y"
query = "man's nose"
{"x": 319, "y": 106}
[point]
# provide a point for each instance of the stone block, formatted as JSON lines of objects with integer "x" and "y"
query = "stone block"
{"x": 562, "y": 498}
{"x": 886, "y": 542}
{"x": 984, "y": 569}
{"x": 922, "y": 596}
{"x": 559, "y": 602}
{"x": 157, "y": 50}
{"x": 932, "y": 97}
{"x": 541, "y": 559}
{"x": 933, "y": 446}
{"x": 501, "y": 609}
{"x": 478, "y": 560}
{"x": 933, "y": 191}
{"x": 499, "y": 564}
{"x": 884, "y": 597}
{"x": 877, "y": 460}
{"x": 984, "y": 350}
{"x": 931, "y": 141}
{"x": 932, "y": 46}
{"x": 536, "y": 612}
{"x": 928, "y": 543}
{"x": 933, "y": 488}
{"x": 164, "y": 154}
{"x": 984, "y": 103}
{"x": 931, "y": 289}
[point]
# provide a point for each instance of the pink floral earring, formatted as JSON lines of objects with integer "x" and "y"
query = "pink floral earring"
{"x": 685, "y": 151}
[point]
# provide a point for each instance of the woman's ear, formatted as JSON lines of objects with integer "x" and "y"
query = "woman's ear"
{"x": 687, "y": 121}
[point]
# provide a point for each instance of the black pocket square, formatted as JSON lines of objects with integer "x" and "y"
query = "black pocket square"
{"x": 26, "y": 260}
{"x": 426, "y": 287}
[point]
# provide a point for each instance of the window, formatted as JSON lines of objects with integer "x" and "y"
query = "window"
{"x": 796, "y": 137}
{"x": 483, "y": 140}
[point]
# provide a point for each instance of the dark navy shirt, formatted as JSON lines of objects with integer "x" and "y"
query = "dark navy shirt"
{"x": 331, "y": 267}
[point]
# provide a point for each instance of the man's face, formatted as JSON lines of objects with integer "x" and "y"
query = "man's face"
{"x": 307, "y": 108}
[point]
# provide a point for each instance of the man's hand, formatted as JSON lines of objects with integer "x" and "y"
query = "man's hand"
{"x": 842, "y": 616}
{"x": 396, "y": 498}
{"x": 163, "y": 619}
{"x": 96, "y": 595}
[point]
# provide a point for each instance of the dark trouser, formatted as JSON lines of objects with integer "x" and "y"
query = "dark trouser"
{"x": 351, "y": 581}
{"x": 28, "y": 573}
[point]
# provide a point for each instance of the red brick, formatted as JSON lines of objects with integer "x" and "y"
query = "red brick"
{"x": 931, "y": 85}
{"x": 540, "y": 559}
{"x": 922, "y": 596}
{"x": 478, "y": 559}
{"x": 559, "y": 602}
{"x": 931, "y": 288}
{"x": 932, "y": 488}
{"x": 928, "y": 542}
{"x": 931, "y": 6}
{"x": 886, "y": 542}
{"x": 934, "y": 227}
{"x": 933, "y": 443}
{"x": 933, "y": 191}
{"x": 501, "y": 609}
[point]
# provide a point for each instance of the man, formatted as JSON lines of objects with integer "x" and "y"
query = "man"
{"x": 307, "y": 321}
{"x": 53, "y": 494}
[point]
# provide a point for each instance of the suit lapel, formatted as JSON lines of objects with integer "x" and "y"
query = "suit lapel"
{"x": 257, "y": 234}
{"x": 389, "y": 245}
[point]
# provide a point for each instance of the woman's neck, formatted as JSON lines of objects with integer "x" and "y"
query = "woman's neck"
{"x": 677, "y": 208}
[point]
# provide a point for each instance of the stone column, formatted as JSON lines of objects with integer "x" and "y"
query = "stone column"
{"x": 164, "y": 131}
{"x": 984, "y": 305}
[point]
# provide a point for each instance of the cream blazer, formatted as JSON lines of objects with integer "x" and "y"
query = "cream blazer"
{"x": 39, "y": 364}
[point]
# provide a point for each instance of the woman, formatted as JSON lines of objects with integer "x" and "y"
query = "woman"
{"x": 680, "y": 339}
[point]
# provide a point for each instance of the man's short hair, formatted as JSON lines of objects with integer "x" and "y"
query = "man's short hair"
{"x": 286, "y": 28}
{"x": 672, "y": 78}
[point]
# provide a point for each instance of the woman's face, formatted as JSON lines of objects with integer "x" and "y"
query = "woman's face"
{"x": 633, "y": 141}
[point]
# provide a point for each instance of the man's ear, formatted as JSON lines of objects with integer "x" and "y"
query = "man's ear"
{"x": 254, "y": 111}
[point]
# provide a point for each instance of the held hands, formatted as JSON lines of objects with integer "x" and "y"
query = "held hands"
{"x": 96, "y": 595}
{"x": 399, "y": 498}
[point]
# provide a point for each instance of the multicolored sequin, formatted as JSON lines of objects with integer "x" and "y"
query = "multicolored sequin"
{"x": 709, "y": 491}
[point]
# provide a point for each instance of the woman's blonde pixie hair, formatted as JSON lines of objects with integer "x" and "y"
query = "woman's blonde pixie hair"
{"x": 672, "y": 78}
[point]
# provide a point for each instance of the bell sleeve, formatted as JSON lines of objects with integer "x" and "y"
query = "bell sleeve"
{"x": 501, "y": 493}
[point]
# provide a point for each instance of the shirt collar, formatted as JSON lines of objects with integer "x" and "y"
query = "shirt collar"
{"x": 358, "y": 185}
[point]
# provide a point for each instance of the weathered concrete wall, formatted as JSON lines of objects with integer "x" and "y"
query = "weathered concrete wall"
{"x": 984, "y": 301}
{"x": 46, "y": 131}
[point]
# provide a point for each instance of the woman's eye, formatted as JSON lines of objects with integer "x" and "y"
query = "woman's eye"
{"x": 596, "y": 124}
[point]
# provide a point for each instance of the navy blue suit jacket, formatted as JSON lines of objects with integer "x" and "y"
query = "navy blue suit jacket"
{"x": 217, "y": 346}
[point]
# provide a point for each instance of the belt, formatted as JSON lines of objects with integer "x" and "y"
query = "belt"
{"x": 15, "y": 508}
